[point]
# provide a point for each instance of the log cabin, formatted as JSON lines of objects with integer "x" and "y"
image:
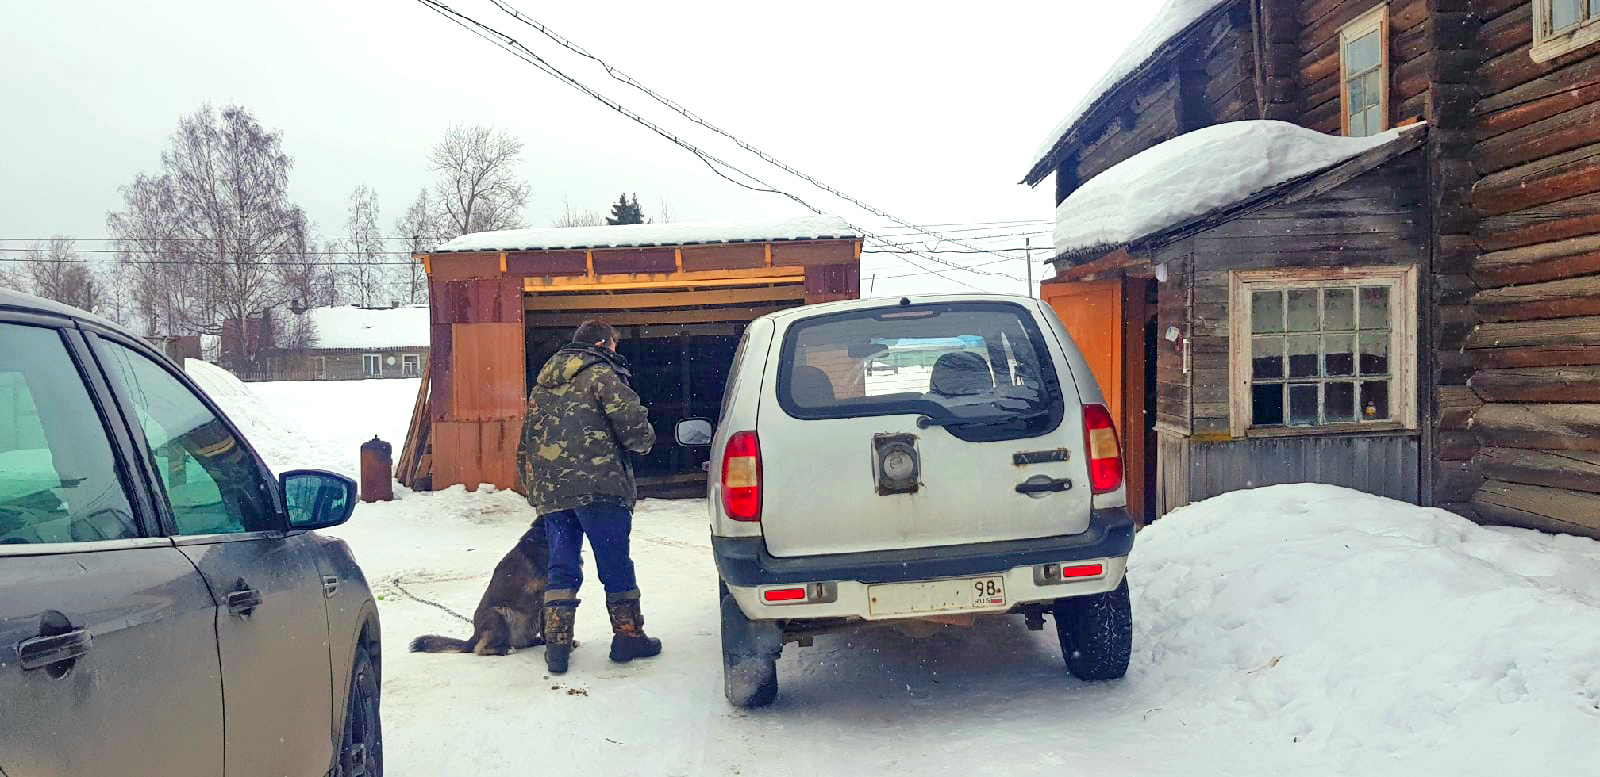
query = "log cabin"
{"x": 680, "y": 295}
{"x": 1417, "y": 318}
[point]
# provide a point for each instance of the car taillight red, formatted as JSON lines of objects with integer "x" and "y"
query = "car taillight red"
{"x": 1105, "y": 456}
{"x": 741, "y": 477}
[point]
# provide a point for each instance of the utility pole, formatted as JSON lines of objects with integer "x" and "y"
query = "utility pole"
{"x": 1027, "y": 246}
{"x": 872, "y": 284}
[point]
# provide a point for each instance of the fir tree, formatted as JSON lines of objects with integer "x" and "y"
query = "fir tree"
{"x": 624, "y": 211}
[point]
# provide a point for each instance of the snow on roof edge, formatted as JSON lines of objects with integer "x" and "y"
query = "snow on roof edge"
{"x": 1174, "y": 20}
{"x": 655, "y": 235}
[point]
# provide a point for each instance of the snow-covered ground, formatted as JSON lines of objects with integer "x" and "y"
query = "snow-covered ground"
{"x": 1292, "y": 630}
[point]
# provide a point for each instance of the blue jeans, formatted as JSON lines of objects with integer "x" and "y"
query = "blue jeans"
{"x": 607, "y": 527}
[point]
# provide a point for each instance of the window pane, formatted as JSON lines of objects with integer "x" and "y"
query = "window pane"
{"x": 1303, "y": 404}
{"x": 58, "y": 479}
{"x": 213, "y": 484}
{"x": 1303, "y": 314}
{"x": 1266, "y": 311}
{"x": 1266, "y": 404}
{"x": 1267, "y": 357}
{"x": 1303, "y": 356}
{"x": 1357, "y": 97}
{"x": 1372, "y": 90}
{"x": 1358, "y": 125}
{"x": 1374, "y": 121}
{"x": 1339, "y": 358}
{"x": 1362, "y": 53}
{"x": 1594, "y": 9}
{"x": 1375, "y": 354}
{"x": 1375, "y": 307}
{"x": 1340, "y": 402}
{"x": 1339, "y": 307}
{"x": 1375, "y": 400}
{"x": 1565, "y": 13}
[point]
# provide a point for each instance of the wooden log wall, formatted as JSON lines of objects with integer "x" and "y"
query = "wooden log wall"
{"x": 1535, "y": 352}
{"x": 1411, "y": 58}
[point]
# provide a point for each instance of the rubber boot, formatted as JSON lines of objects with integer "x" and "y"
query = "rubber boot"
{"x": 558, "y": 619}
{"x": 628, "y": 639}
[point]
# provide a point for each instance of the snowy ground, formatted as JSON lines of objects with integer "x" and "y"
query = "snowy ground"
{"x": 1295, "y": 630}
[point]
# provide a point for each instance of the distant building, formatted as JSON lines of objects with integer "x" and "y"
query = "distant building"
{"x": 334, "y": 343}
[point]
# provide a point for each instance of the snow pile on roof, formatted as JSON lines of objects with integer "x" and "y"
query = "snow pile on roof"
{"x": 1173, "y": 18}
{"x": 1371, "y": 632}
{"x": 1194, "y": 174}
{"x": 348, "y": 326}
{"x": 636, "y": 235}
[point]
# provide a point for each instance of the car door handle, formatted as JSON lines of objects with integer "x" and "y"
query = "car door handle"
{"x": 40, "y": 652}
{"x": 1044, "y": 486}
{"x": 244, "y": 602}
{"x": 330, "y": 586}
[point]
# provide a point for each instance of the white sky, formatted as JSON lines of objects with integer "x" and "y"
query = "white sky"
{"x": 928, "y": 111}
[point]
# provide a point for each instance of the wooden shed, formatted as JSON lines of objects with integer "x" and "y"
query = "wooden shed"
{"x": 679, "y": 294}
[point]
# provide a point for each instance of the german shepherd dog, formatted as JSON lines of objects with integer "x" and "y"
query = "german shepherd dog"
{"x": 510, "y": 615}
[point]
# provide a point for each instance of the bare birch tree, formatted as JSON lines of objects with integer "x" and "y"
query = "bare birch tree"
{"x": 419, "y": 227}
{"x": 478, "y": 187}
{"x": 55, "y": 270}
{"x": 365, "y": 270}
{"x": 577, "y": 218}
{"x": 206, "y": 239}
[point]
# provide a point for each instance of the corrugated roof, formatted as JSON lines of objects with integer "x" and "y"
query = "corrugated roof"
{"x": 652, "y": 235}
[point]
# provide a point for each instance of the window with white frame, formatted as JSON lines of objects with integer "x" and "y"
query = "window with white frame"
{"x": 1561, "y": 26}
{"x": 1323, "y": 349}
{"x": 320, "y": 364}
{"x": 410, "y": 365}
{"x": 1364, "y": 74}
{"x": 372, "y": 365}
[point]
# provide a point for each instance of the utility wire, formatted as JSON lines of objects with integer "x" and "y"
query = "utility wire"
{"x": 691, "y": 116}
{"x": 513, "y": 47}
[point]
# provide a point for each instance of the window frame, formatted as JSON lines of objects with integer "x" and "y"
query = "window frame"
{"x": 1549, "y": 44}
{"x": 108, "y": 410}
{"x": 1403, "y": 333}
{"x": 412, "y": 369}
{"x": 377, "y": 359}
{"x": 141, "y": 455}
{"x": 321, "y": 363}
{"x": 1377, "y": 20}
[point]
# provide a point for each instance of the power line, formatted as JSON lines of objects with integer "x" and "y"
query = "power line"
{"x": 512, "y": 46}
{"x": 691, "y": 116}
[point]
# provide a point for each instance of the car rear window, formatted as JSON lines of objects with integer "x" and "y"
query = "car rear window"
{"x": 985, "y": 361}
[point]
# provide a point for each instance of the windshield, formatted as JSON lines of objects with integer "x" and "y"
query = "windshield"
{"x": 951, "y": 361}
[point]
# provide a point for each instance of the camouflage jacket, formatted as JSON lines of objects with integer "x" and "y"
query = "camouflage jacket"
{"x": 582, "y": 419}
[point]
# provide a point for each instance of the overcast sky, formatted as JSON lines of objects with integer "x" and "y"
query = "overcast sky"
{"x": 930, "y": 111}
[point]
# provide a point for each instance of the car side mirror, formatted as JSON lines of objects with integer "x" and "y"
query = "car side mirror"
{"x": 317, "y": 499}
{"x": 694, "y": 432}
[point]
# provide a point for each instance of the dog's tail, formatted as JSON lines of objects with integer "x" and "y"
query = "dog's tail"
{"x": 434, "y": 643}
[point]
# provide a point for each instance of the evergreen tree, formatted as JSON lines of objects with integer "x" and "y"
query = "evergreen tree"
{"x": 624, "y": 211}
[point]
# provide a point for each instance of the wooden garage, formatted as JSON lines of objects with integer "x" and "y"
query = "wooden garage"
{"x": 679, "y": 294}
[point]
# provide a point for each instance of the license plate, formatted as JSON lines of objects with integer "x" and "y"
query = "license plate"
{"x": 939, "y": 596}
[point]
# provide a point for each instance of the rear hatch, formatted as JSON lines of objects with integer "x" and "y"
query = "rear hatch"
{"x": 911, "y": 426}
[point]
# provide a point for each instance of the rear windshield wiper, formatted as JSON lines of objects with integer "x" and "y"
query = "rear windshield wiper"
{"x": 923, "y": 422}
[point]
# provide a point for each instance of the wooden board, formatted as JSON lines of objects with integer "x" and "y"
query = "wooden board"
{"x": 487, "y": 370}
{"x": 664, "y": 299}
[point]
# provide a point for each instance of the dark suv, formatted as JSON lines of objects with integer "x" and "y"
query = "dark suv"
{"x": 165, "y": 608}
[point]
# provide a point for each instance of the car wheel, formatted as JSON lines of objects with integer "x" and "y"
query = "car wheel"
{"x": 361, "y": 747}
{"x": 750, "y": 652}
{"x": 1096, "y": 633}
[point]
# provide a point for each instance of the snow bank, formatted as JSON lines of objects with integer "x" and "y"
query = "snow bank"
{"x": 1169, "y": 22}
{"x": 1194, "y": 174}
{"x": 348, "y": 326}
{"x": 1371, "y": 632}
{"x": 280, "y": 439}
{"x": 678, "y": 233}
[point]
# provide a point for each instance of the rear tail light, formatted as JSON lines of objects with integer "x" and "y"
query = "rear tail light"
{"x": 1050, "y": 574}
{"x": 741, "y": 477}
{"x": 1105, "y": 457}
{"x": 784, "y": 595}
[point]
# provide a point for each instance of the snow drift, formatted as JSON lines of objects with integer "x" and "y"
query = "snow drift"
{"x": 1194, "y": 174}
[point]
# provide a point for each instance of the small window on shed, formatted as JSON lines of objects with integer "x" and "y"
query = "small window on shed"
{"x": 1562, "y": 26}
{"x": 1323, "y": 349}
{"x": 1364, "y": 73}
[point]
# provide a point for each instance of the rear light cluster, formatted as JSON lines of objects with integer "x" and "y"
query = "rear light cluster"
{"x": 1067, "y": 573}
{"x": 741, "y": 477}
{"x": 812, "y": 593}
{"x": 1105, "y": 456}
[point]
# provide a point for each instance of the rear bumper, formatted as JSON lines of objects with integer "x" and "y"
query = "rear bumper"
{"x": 744, "y": 561}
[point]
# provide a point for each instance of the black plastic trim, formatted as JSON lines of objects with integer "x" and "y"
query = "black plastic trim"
{"x": 744, "y": 561}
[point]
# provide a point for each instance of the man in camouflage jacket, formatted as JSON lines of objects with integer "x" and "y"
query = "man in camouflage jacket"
{"x": 583, "y": 422}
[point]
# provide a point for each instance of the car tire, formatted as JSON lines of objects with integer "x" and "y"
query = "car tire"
{"x": 361, "y": 745}
{"x": 1096, "y": 634}
{"x": 750, "y": 652}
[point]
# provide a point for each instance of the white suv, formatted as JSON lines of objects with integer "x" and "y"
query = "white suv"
{"x": 981, "y": 475}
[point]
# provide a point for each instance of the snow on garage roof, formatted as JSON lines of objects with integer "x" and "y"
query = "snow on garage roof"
{"x": 348, "y": 326}
{"x": 642, "y": 235}
{"x": 1172, "y": 20}
{"x": 1195, "y": 174}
